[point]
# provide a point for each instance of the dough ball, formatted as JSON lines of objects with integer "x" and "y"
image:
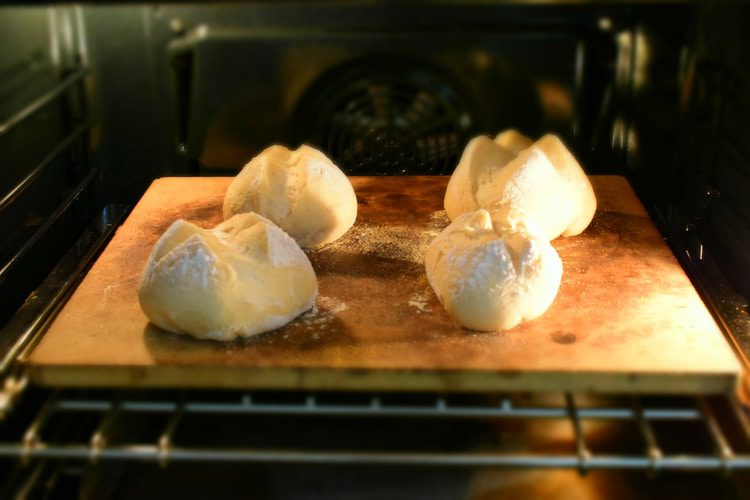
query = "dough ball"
{"x": 301, "y": 191}
{"x": 246, "y": 276}
{"x": 491, "y": 274}
{"x": 544, "y": 181}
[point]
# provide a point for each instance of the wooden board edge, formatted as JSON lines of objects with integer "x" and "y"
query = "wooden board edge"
{"x": 174, "y": 377}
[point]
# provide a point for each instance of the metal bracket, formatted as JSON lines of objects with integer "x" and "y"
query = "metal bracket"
{"x": 11, "y": 392}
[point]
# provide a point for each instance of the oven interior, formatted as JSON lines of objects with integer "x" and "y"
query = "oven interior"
{"x": 96, "y": 101}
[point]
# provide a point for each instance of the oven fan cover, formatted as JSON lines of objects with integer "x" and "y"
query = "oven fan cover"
{"x": 380, "y": 116}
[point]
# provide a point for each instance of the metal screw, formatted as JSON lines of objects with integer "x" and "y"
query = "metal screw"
{"x": 177, "y": 25}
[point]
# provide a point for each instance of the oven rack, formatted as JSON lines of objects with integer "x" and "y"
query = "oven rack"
{"x": 114, "y": 408}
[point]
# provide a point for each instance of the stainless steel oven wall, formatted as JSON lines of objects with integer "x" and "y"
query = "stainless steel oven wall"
{"x": 706, "y": 206}
{"x": 133, "y": 139}
{"x": 45, "y": 182}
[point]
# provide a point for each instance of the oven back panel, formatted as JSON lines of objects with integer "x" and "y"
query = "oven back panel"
{"x": 383, "y": 88}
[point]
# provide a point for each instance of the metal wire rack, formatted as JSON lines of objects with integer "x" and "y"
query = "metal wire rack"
{"x": 111, "y": 410}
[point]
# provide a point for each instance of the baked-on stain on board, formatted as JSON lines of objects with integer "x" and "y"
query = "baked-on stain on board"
{"x": 626, "y": 317}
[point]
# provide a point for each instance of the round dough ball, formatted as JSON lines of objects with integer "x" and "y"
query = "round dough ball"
{"x": 493, "y": 274}
{"x": 246, "y": 276}
{"x": 544, "y": 181}
{"x": 301, "y": 191}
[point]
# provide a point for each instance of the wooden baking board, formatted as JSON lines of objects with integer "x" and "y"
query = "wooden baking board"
{"x": 626, "y": 318}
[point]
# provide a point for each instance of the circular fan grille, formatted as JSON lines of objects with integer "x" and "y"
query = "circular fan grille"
{"x": 385, "y": 117}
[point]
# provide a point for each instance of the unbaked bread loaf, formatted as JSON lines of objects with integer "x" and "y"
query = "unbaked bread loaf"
{"x": 543, "y": 180}
{"x": 493, "y": 274}
{"x": 301, "y": 191}
{"x": 244, "y": 277}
